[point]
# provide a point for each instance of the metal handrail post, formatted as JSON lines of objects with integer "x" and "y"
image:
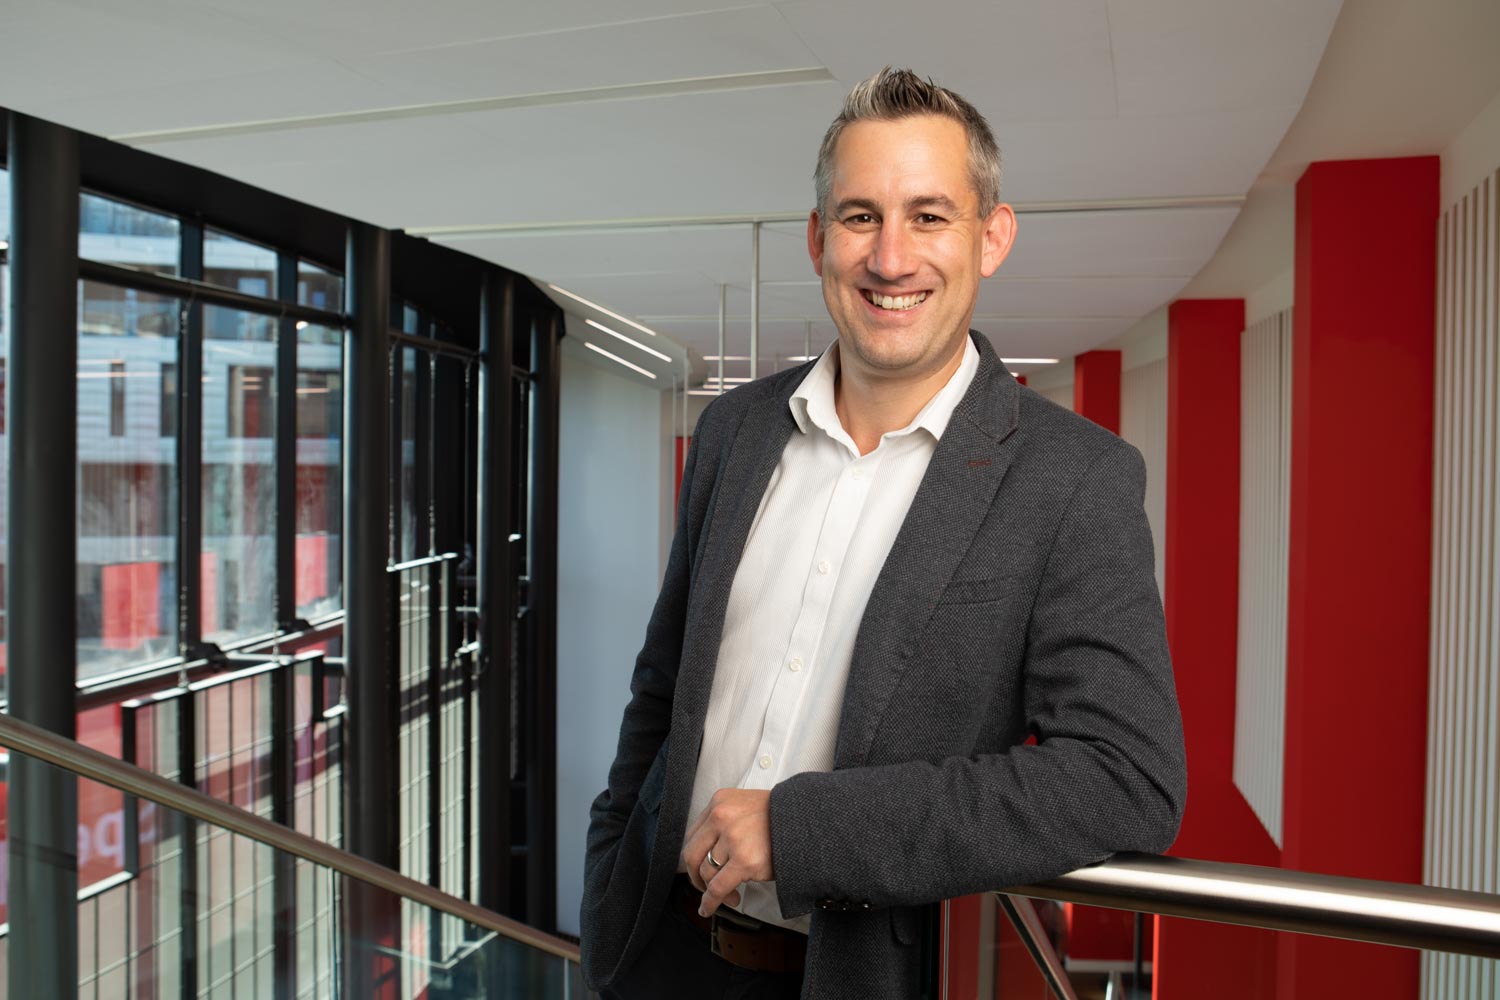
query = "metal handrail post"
{"x": 1023, "y": 915}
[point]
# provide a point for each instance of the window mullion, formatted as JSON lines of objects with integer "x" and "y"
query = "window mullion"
{"x": 285, "y": 461}
{"x": 190, "y": 451}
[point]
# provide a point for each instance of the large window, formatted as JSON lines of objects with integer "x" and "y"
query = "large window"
{"x": 234, "y": 263}
{"x": 116, "y": 233}
{"x": 127, "y": 480}
{"x": 319, "y": 287}
{"x": 239, "y": 474}
{"x": 320, "y": 496}
{"x": 4, "y": 444}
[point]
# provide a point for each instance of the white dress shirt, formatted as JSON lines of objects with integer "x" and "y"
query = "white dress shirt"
{"x": 825, "y": 525}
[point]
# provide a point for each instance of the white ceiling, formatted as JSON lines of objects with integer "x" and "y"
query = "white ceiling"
{"x": 359, "y": 107}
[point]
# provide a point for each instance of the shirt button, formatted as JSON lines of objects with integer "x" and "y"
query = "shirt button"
{"x": 765, "y": 761}
{"x": 859, "y": 473}
{"x": 823, "y": 566}
{"x": 795, "y": 665}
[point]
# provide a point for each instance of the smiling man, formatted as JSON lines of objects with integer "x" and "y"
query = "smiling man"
{"x": 891, "y": 567}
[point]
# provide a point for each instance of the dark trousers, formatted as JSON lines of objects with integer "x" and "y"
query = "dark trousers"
{"x": 677, "y": 963}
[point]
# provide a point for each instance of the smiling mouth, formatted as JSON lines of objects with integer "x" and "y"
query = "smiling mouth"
{"x": 894, "y": 303}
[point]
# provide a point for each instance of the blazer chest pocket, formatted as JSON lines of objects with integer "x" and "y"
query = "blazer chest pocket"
{"x": 995, "y": 588}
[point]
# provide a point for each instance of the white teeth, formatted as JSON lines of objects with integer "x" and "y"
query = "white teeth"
{"x": 897, "y": 302}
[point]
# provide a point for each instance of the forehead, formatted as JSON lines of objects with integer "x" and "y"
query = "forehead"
{"x": 924, "y": 154}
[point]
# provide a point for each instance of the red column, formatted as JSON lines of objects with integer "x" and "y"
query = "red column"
{"x": 1096, "y": 388}
{"x": 1203, "y": 524}
{"x": 1361, "y": 515}
{"x": 1194, "y": 959}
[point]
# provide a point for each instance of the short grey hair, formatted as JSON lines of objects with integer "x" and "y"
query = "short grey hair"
{"x": 894, "y": 94}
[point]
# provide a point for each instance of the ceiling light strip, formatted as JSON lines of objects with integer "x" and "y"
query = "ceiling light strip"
{"x": 499, "y": 229}
{"x": 633, "y": 343}
{"x": 587, "y": 95}
{"x": 596, "y": 306}
{"x": 618, "y": 360}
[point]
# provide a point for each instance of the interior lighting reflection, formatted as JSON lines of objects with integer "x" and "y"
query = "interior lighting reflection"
{"x": 618, "y": 360}
{"x": 632, "y": 342}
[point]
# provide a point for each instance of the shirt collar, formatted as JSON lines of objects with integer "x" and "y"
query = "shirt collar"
{"x": 812, "y": 403}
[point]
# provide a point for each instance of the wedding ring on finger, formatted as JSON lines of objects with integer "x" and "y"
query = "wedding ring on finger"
{"x": 711, "y": 860}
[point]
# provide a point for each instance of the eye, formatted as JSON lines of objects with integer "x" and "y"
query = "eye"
{"x": 859, "y": 219}
{"x": 928, "y": 219}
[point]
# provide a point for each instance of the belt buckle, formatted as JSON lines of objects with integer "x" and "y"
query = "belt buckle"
{"x": 733, "y": 919}
{"x": 713, "y": 934}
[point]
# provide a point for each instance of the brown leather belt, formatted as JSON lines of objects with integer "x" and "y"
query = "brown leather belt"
{"x": 740, "y": 940}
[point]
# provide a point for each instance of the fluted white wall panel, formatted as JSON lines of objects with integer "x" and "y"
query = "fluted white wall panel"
{"x": 1265, "y": 514}
{"x": 1143, "y": 422}
{"x": 1463, "y": 748}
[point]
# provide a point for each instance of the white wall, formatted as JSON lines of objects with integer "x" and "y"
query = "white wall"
{"x": 1462, "y": 837}
{"x": 1143, "y": 422}
{"x": 1265, "y": 518}
{"x": 610, "y": 494}
{"x": 1062, "y": 395}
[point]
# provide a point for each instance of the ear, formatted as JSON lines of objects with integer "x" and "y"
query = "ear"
{"x": 999, "y": 236}
{"x": 815, "y": 242}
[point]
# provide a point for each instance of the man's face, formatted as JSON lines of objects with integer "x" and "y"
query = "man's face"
{"x": 904, "y": 247}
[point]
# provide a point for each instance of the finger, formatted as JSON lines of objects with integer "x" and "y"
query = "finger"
{"x": 726, "y": 883}
{"x": 694, "y": 853}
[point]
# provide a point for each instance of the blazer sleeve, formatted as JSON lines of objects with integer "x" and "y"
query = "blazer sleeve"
{"x": 1107, "y": 773}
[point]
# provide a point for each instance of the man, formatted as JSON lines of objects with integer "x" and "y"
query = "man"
{"x": 890, "y": 568}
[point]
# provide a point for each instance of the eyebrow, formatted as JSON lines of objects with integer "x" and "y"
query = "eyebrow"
{"x": 938, "y": 201}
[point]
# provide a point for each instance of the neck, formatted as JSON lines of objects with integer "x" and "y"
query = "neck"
{"x": 870, "y": 406}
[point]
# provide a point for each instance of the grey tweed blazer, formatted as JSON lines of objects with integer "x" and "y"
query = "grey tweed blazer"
{"x": 1017, "y": 600}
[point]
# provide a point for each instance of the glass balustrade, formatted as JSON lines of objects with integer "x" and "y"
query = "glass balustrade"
{"x": 188, "y": 907}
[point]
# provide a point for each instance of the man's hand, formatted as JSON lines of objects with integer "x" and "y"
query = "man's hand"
{"x": 736, "y": 829}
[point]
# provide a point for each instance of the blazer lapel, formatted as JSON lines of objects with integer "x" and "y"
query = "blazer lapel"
{"x": 955, "y": 496}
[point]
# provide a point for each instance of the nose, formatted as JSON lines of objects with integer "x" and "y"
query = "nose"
{"x": 893, "y": 254}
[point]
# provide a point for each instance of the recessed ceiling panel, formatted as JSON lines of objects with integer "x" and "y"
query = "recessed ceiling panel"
{"x": 350, "y": 27}
{"x": 1016, "y": 60}
{"x": 1092, "y": 101}
{"x": 1216, "y": 55}
{"x": 1125, "y": 297}
{"x": 1199, "y": 154}
{"x": 690, "y": 155}
{"x": 1151, "y": 243}
{"x": 716, "y": 43}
